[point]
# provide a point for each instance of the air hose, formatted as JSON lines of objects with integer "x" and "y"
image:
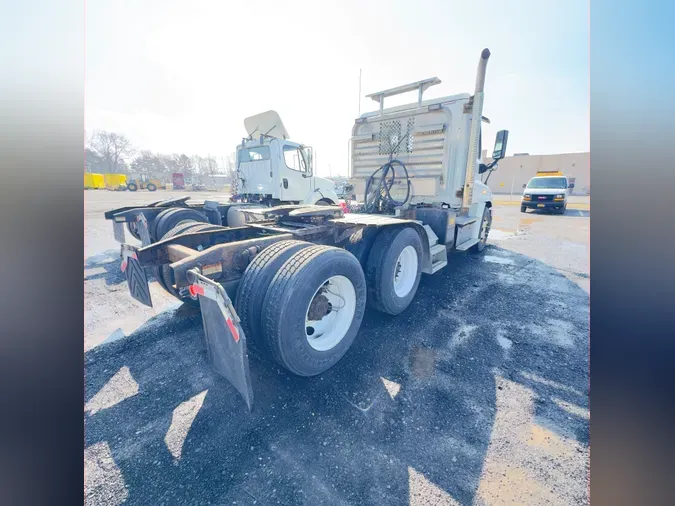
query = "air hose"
{"x": 378, "y": 195}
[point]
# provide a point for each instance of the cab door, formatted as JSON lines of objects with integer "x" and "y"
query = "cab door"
{"x": 295, "y": 175}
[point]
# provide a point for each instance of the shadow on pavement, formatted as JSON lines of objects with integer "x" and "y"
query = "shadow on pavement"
{"x": 105, "y": 266}
{"x": 411, "y": 410}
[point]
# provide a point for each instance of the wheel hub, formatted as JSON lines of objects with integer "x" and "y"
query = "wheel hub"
{"x": 405, "y": 271}
{"x": 319, "y": 307}
{"x": 330, "y": 313}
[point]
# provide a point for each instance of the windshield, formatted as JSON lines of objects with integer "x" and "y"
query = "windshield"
{"x": 559, "y": 183}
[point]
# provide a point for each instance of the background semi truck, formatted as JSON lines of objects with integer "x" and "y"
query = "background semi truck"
{"x": 273, "y": 170}
{"x": 293, "y": 281}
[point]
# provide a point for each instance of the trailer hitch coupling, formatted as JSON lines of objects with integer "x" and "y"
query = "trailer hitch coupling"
{"x": 225, "y": 339}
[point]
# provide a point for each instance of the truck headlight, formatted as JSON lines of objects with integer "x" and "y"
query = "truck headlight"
{"x": 560, "y": 196}
{"x": 527, "y": 197}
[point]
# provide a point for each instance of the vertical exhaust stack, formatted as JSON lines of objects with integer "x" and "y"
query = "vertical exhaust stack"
{"x": 476, "y": 115}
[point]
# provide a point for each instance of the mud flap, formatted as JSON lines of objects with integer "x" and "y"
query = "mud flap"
{"x": 118, "y": 232}
{"x": 137, "y": 280}
{"x": 225, "y": 339}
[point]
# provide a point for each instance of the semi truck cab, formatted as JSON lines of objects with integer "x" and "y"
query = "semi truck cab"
{"x": 273, "y": 169}
{"x": 547, "y": 190}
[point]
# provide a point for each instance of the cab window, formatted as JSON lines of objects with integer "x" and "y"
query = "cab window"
{"x": 294, "y": 159}
{"x": 255, "y": 154}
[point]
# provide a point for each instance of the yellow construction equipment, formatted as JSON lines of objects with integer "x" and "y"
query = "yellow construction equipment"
{"x": 93, "y": 181}
{"x": 116, "y": 182}
{"x": 145, "y": 183}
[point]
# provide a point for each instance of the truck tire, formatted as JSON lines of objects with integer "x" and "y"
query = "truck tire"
{"x": 304, "y": 330}
{"x": 169, "y": 218}
{"x": 158, "y": 272}
{"x": 486, "y": 223}
{"x": 164, "y": 274}
{"x": 131, "y": 227}
{"x": 523, "y": 209}
{"x": 132, "y": 187}
{"x": 394, "y": 269}
{"x": 255, "y": 282}
{"x": 151, "y": 187}
{"x": 324, "y": 202}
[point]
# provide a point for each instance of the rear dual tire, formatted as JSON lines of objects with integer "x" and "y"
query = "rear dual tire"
{"x": 256, "y": 280}
{"x": 312, "y": 304}
{"x": 164, "y": 274}
{"x": 172, "y": 217}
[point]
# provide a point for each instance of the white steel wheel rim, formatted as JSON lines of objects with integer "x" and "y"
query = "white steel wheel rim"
{"x": 405, "y": 271}
{"x": 325, "y": 333}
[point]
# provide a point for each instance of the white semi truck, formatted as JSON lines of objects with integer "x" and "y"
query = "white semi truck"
{"x": 272, "y": 170}
{"x": 293, "y": 281}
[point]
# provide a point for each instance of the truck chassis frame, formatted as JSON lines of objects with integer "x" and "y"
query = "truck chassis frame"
{"x": 208, "y": 265}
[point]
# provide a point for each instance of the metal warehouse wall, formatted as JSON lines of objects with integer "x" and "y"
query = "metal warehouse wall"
{"x": 515, "y": 171}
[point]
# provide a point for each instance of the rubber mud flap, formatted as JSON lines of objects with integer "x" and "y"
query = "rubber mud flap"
{"x": 225, "y": 338}
{"x": 136, "y": 277}
{"x": 118, "y": 231}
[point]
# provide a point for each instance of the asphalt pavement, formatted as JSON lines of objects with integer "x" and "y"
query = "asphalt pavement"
{"x": 476, "y": 394}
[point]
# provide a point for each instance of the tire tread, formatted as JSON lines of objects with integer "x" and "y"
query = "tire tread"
{"x": 251, "y": 282}
{"x": 282, "y": 282}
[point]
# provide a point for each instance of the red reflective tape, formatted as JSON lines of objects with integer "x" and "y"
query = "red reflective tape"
{"x": 233, "y": 329}
{"x": 196, "y": 290}
{"x": 123, "y": 266}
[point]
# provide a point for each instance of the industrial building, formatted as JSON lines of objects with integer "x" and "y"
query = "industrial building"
{"x": 515, "y": 171}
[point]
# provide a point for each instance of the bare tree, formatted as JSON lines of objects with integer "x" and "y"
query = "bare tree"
{"x": 184, "y": 164}
{"x": 113, "y": 149}
{"x": 149, "y": 164}
{"x": 231, "y": 172}
{"x": 93, "y": 162}
{"x": 210, "y": 166}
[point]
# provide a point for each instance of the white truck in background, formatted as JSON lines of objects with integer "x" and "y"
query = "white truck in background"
{"x": 272, "y": 170}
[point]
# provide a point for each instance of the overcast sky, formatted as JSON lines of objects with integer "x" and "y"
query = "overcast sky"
{"x": 181, "y": 76}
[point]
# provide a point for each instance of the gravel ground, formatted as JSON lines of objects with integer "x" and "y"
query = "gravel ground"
{"x": 477, "y": 394}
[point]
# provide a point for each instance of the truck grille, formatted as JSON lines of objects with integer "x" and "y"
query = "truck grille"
{"x": 542, "y": 198}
